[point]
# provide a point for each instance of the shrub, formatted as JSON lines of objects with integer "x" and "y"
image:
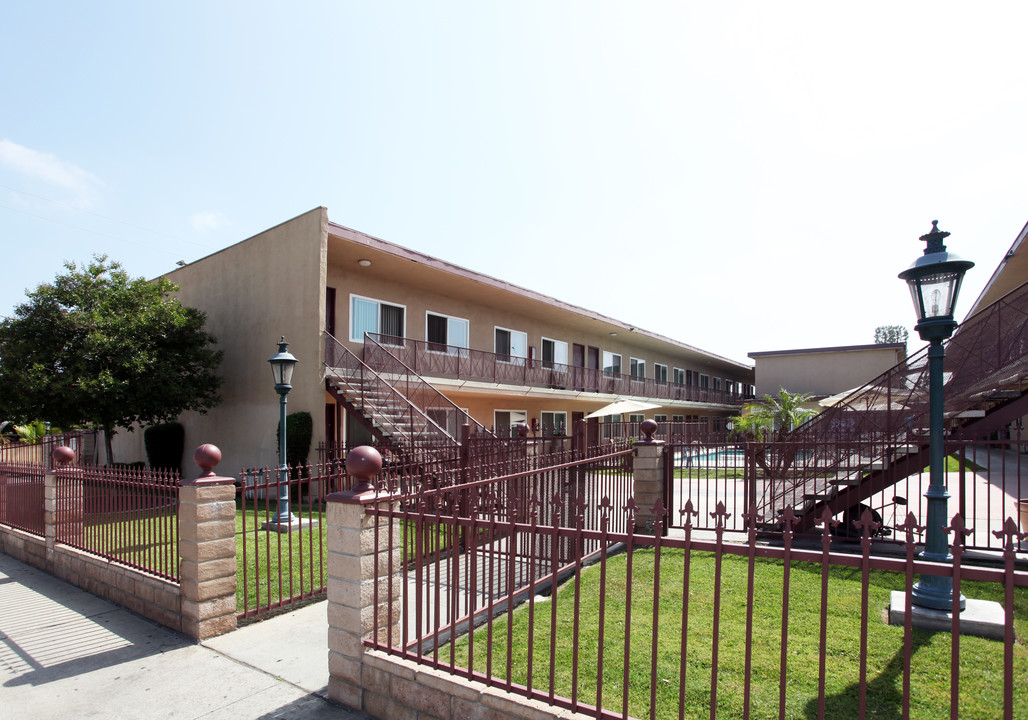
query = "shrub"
{"x": 164, "y": 446}
{"x": 299, "y": 431}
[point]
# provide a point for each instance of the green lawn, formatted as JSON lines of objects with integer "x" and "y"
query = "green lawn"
{"x": 278, "y": 565}
{"x": 981, "y": 660}
{"x": 145, "y": 537}
{"x": 299, "y": 556}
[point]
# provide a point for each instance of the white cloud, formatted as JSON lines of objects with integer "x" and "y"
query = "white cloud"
{"x": 208, "y": 221}
{"x": 51, "y": 170}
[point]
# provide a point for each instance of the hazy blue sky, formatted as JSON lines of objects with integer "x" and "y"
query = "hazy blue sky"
{"x": 739, "y": 176}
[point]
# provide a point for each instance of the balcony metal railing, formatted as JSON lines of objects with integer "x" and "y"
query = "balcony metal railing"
{"x": 457, "y": 363}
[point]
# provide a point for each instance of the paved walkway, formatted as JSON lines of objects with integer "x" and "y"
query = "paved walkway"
{"x": 66, "y": 653}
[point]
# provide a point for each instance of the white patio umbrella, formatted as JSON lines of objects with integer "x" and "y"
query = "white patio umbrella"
{"x": 619, "y": 407}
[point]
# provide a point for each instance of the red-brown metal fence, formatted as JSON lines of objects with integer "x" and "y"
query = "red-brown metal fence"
{"x": 985, "y": 480}
{"x": 678, "y": 626}
{"x": 476, "y": 547}
{"x": 21, "y": 497}
{"x": 127, "y": 515}
{"x": 40, "y": 454}
{"x": 281, "y": 565}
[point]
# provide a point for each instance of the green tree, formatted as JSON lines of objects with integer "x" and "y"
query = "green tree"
{"x": 99, "y": 348}
{"x": 890, "y": 334}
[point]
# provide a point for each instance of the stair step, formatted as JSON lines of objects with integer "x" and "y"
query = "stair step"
{"x": 845, "y": 479}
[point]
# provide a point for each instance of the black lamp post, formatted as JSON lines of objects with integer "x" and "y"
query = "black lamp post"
{"x": 282, "y": 364}
{"x": 934, "y": 280}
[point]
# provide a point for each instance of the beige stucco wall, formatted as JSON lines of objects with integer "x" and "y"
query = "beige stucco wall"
{"x": 421, "y": 289}
{"x": 822, "y": 372}
{"x": 254, "y": 292}
{"x": 274, "y": 284}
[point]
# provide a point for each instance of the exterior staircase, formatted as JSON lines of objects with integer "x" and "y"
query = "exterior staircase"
{"x": 398, "y": 407}
{"x": 878, "y": 434}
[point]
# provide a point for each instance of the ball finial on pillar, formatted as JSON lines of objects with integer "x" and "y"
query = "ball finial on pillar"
{"x": 207, "y": 456}
{"x": 62, "y": 455}
{"x": 363, "y": 463}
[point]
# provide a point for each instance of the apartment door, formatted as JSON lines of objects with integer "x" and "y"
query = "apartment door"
{"x": 331, "y": 425}
{"x": 594, "y": 365}
{"x": 330, "y": 311}
{"x": 577, "y": 363}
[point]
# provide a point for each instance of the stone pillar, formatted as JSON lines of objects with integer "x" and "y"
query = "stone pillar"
{"x": 207, "y": 549}
{"x": 69, "y": 502}
{"x": 50, "y": 516}
{"x": 648, "y": 472}
{"x": 358, "y": 566}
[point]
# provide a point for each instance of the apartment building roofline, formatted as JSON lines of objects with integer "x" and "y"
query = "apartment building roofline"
{"x": 398, "y": 251}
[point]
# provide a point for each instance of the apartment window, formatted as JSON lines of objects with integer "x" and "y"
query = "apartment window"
{"x": 608, "y": 431}
{"x": 449, "y": 419}
{"x": 704, "y": 381}
{"x": 660, "y": 373}
{"x": 504, "y": 421}
{"x": 637, "y": 368}
{"x": 554, "y": 423}
{"x": 611, "y": 363}
{"x": 678, "y": 376}
{"x": 510, "y": 345}
{"x": 717, "y": 384}
{"x": 374, "y": 316}
{"x": 636, "y": 418}
{"x": 555, "y": 352}
{"x": 660, "y": 418}
{"x": 678, "y": 418}
{"x": 445, "y": 333}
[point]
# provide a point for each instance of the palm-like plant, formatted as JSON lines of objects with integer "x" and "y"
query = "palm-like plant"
{"x": 774, "y": 415}
{"x": 770, "y": 420}
{"x": 32, "y": 432}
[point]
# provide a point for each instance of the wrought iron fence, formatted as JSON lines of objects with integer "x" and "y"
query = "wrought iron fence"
{"x": 477, "y": 548}
{"x": 21, "y": 497}
{"x": 40, "y": 454}
{"x": 986, "y": 480}
{"x": 682, "y": 627}
{"x": 127, "y": 515}
{"x": 281, "y": 564}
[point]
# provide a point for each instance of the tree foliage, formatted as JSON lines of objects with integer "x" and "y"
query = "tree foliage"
{"x": 890, "y": 334}
{"x": 99, "y": 348}
{"x": 774, "y": 415}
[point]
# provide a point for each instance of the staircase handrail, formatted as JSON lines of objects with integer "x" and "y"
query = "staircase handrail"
{"x": 421, "y": 386}
{"x": 336, "y": 352}
{"x": 986, "y": 350}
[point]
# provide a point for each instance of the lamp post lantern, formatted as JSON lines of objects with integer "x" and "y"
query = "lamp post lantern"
{"x": 282, "y": 364}
{"x": 934, "y": 281}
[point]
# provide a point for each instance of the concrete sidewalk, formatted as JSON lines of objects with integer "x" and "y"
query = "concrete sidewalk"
{"x": 66, "y": 653}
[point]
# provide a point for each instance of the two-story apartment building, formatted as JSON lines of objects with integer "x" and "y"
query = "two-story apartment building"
{"x": 471, "y": 343}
